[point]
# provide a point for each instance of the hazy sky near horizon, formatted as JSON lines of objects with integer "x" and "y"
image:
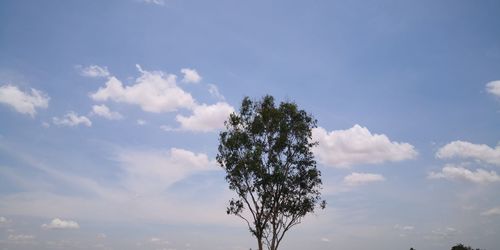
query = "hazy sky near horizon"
{"x": 110, "y": 113}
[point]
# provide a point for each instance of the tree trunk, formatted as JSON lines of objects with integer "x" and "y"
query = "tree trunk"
{"x": 259, "y": 242}
{"x": 273, "y": 244}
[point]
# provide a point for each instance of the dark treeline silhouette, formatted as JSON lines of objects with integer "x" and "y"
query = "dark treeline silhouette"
{"x": 463, "y": 247}
{"x": 459, "y": 247}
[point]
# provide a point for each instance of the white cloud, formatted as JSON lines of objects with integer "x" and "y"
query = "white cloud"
{"x": 4, "y": 220}
{"x": 356, "y": 179}
{"x": 445, "y": 232}
{"x": 71, "y": 119}
{"x": 155, "y": 2}
{"x": 23, "y": 102}
{"x": 493, "y": 211}
{"x": 343, "y": 148}
{"x": 206, "y": 118}
{"x": 467, "y": 150}
{"x": 103, "y": 110}
{"x": 94, "y": 71}
{"x": 141, "y": 122}
{"x": 167, "y": 128}
{"x": 144, "y": 185}
{"x": 190, "y": 76}
{"x": 452, "y": 172}
{"x": 325, "y": 239}
{"x": 493, "y": 87}
{"x": 214, "y": 91}
{"x": 20, "y": 237}
{"x": 153, "y": 171}
{"x": 153, "y": 91}
{"x": 159, "y": 243}
{"x": 61, "y": 224}
{"x": 404, "y": 228}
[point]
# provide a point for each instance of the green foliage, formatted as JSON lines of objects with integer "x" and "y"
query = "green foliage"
{"x": 266, "y": 153}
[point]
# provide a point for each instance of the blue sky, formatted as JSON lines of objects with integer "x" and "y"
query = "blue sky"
{"x": 110, "y": 112}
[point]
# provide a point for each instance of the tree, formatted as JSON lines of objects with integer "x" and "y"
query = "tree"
{"x": 266, "y": 153}
{"x": 463, "y": 247}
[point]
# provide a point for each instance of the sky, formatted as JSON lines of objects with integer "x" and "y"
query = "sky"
{"x": 110, "y": 113}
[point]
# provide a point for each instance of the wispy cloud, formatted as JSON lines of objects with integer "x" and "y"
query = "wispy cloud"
{"x": 403, "y": 227}
{"x": 446, "y": 232}
{"x": 141, "y": 122}
{"x": 154, "y": 170}
{"x": 94, "y": 71}
{"x": 4, "y": 220}
{"x": 356, "y": 179}
{"x": 214, "y": 91}
{"x": 154, "y": 2}
{"x": 143, "y": 187}
{"x": 21, "y": 237}
{"x": 493, "y": 88}
{"x": 492, "y": 212}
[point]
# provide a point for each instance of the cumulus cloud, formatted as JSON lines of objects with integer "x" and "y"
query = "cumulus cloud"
{"x": 206, "y": 118}
{"x": 153, "y": 170}
{"x": 467, "y": 150}
{"x": 103, "y": 111}
{"x": 214, "y": 91}
{"x": 493, "y": 87}
{"x": 153, "y": 91}
{"x": 357, "y": 145}
{"x": 23, "y": 102}
{"x": 94, "y": 71}
{"x": 490, "y": 212}
{"x": 71, "y": 119}
{"x": 61, "y": 224}
{"x": 190, "y": 76}
{"x": 356, "y": 179}
{"x": 452, "y": 172}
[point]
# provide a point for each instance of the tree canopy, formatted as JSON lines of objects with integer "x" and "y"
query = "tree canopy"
{"x": 463, "y": 247}
{"x": 266, "y": 152}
